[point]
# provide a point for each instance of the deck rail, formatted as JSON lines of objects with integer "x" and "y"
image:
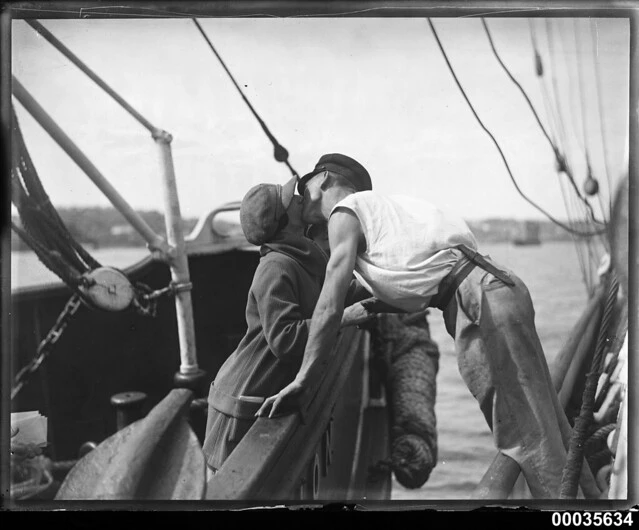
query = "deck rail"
{"x": 273, "y": 456}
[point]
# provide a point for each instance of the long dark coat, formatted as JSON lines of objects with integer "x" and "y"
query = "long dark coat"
{"x": 285, "y": 289}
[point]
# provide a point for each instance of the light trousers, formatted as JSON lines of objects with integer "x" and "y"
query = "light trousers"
{"x": 502, "y": 362}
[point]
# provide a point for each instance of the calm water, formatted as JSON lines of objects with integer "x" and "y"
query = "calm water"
{"x": 552, "y": 275}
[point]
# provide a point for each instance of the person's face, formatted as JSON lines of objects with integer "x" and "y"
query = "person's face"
{"x": 294, "y": 210}
{"x": 312, "y": 210}
{"x": 319, "y": 234}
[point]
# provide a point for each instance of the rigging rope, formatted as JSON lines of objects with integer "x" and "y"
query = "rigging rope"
{"x": 41, "y": 222}
{"x": 512, "y": 178}
{"x": 582, "y": 144}
{"x": 584, "y": 114}
{"x": 580, "y": 257}
{"x": 574, "y": 462}
{"x": 553, "y": 81}
{"x": 280, "y": 153}
{"x": 598, "y": 90}
{"x": 46, "y": 234}
{"x": 555, "y": 149}
{"x": 567, "y": 68}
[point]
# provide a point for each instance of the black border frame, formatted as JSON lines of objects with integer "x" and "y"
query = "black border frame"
{"x": 299, "y": 8}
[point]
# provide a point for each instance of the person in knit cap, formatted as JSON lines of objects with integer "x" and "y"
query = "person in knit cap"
{"x": 281, "y": 300}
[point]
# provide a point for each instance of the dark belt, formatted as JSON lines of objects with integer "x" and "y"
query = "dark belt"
{"x": 460, "y": 271}
{"x": 237, "y": 407}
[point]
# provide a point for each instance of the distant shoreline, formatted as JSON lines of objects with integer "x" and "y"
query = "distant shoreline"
{"x": 98, "y": 228}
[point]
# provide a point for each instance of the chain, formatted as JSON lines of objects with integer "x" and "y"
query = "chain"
{"x": 146, "y": 302}
{"x": 44, "y": 349}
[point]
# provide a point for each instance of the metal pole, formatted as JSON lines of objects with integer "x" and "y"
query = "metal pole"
{"x": 154, "y": 241}
{"x": 75, "y": 60}
{"x": 189, "y": 370}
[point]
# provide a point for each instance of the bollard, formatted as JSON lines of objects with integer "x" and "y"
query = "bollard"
{"x": 85, "y": 448}
{"x": 128, "y": 406}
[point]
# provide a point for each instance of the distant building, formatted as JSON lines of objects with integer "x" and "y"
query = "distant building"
{"x": 121, "y": 230}
{"x": 528, "y": 234}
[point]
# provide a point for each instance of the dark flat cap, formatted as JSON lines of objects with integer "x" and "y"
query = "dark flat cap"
{"x": 343, "y": 165}
{"x": 262, "y": 208}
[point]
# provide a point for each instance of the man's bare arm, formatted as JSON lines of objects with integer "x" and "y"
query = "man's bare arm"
{"x": 345, "y": 234}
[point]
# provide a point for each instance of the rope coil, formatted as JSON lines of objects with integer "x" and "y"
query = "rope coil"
{"x": 412, "y": 360}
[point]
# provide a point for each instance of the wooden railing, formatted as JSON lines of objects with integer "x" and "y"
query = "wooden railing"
{"x": 280, "y": 456}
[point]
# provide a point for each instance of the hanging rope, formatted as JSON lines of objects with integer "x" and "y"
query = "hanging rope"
{"x": 600, "y": 112}
{"x": 41, "y": 223}
{"x": 566, "y": 68}
{"x": 553, "y": 81}
{"x": 51, "y": 260}
{"x": 580, "y": 94}
{"x": 46, "y": 234}
{"x": 539, "y": 71}
{"x": 280, "y": 153}
{"x": 584, "y": 114}
{"x": 512, "y": 178}
{"x": 576, "y": 208}
{"x": 558, "y": 155}
{"x": 574, "y": 462}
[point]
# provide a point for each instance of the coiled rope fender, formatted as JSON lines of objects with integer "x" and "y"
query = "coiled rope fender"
{"x": 412, "y": 361}
{"x": 596, "y": 448}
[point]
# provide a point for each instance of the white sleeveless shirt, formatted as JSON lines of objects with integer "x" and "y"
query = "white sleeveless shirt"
{"x": 408, "y": 246}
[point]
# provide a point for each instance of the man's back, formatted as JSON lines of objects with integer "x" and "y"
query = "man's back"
{"x": 407, "y": 246}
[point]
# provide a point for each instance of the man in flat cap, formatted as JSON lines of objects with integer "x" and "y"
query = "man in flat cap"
{"x": 410, "y": 254}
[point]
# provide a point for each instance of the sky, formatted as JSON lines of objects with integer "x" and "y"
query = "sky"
{"x": 376, "y": 89}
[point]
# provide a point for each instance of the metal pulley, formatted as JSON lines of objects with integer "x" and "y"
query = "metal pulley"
{"x": 108, "y": 288}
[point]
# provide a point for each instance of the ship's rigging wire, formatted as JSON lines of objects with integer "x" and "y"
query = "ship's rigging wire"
{"x": 582, "y": 141}
{"x": 551, "y": 135}
{"x": 279, "y": 152}
{"x": 555, "y": 148}
{"x": 580, "y": 95}
{"x": 575, "y": 209}
{"x": 598, "y": 89}
{"x": 62, "y": 254}
{"x": 512, "y": 178}
{"x": 568, "y": 67}
{"x": 600, "y": 112}
{"x": 580, "y": 257}
{"x": 576, "y": 205}
{"x": 584, "y": 112}
{"x": 555, "y": 88}
{"x": 580, "y": 132}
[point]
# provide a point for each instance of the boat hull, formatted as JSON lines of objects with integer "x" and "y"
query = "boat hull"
{"x": 101, "y": 354}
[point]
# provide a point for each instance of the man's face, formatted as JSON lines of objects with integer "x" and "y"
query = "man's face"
{"x": 312, "y": 211}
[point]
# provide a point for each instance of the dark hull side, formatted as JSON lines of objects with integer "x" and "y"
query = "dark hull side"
{"x": 101, "y": 354}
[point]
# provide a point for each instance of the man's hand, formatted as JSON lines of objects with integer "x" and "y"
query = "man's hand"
{"x": 356, "y": 314}
{"x": 284, "y": 399}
